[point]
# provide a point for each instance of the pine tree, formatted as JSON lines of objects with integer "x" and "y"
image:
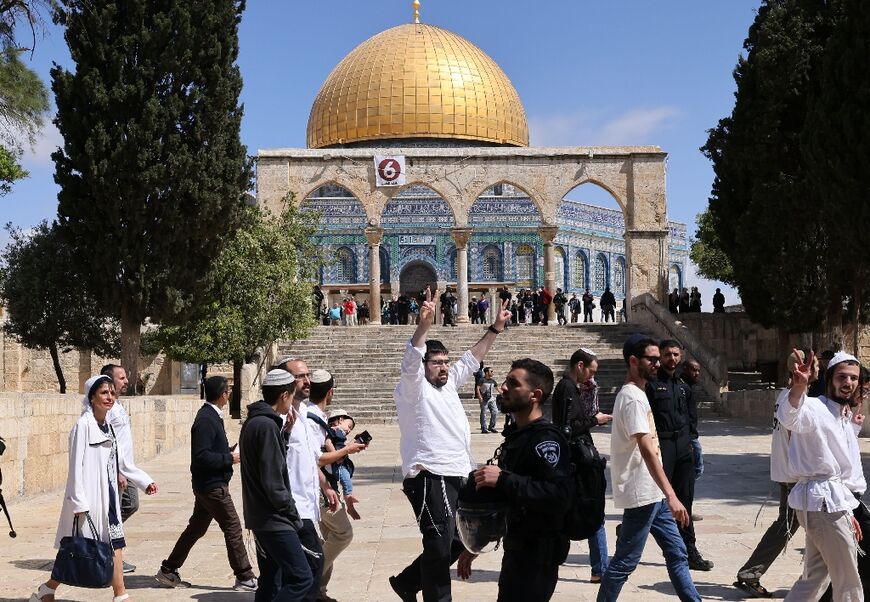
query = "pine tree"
{"x": 152, "y": 170}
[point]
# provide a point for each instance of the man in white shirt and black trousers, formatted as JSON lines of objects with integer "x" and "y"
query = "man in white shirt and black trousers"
{"x": 435, "y": 444}
{"x": 823, "y": 455}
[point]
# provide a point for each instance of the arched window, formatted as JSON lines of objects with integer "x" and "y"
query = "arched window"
{"x": 451, "y": 264}
{"x": 675, "y": 278}
{"x": 601, "y": 276}
{"x": 559, "y": 267}
{"x": 619, "y": 276}
{"x": 384, "y": 256}
{"x": 525, "y": 265}
{"x": 580, "y": 273}
{"x": 345, "y": 266}
{"x": 492, "y": 263}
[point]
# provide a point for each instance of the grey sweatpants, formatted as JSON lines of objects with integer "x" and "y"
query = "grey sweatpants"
{"x": 830, "y": 557}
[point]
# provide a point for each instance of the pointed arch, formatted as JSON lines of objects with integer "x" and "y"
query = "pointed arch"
{"x": 619, "y": 276}
{"x": 559, "y": 264}
{"x": 344, "y": 267}
{"x": 492, "y": 263}
{"x": 580, "y": 271}
{"x": 417, "y": 204}
{"x": 525, "y": 265}
{"x": 602, "y": 273}
{"x": 339, "y": 208}
{"x": 514, "y": 207}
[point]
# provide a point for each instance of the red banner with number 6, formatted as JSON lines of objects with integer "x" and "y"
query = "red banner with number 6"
{"x": 389, "y": 170}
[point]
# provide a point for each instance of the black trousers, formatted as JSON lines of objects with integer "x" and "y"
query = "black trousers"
{"x": 529, "y": 572}
{"x": 430, "y": 571}
{"x": 129, "y": 502}
{"x": 679, "y": 464}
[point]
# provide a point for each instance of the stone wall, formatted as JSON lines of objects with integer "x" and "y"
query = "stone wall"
{"x": 36, "y": 429}
{"x": 743, "y": 343}
{"x": 28, "y": 370}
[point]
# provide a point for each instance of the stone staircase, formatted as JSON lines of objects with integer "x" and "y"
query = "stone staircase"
{"x": 365, "y": 359}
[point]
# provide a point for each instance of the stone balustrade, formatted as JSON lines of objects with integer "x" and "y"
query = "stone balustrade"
{"x": 36, "y": 428}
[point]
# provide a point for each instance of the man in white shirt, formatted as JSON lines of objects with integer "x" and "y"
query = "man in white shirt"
{"x": 132, "y": 477}
{"x": 306, "y": 480}
{"x": 435, "y": 444}
{"x": 639, "y": 482}
{"x": 335, "y": 527}
{"x": 823, "y": 455}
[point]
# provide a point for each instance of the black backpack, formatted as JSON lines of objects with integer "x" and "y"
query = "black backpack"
{"x": 586, "y": 514}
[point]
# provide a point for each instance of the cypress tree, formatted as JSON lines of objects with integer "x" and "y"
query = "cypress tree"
{"x": 836, "y": 147}
{"x": 152, "y": 170}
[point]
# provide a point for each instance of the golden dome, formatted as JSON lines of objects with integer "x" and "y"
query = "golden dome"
{"x": 417, "y": 81}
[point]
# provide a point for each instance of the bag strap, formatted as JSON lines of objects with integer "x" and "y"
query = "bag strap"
{"x": 77, "y": 530}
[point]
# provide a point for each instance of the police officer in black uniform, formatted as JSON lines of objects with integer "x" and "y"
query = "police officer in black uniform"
{"x": 673, "y": 410}
{"x": 533, "y": 475}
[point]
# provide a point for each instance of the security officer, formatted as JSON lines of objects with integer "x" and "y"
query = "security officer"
{"x": 672, "y": 406}
{"x": 533, "y": 475}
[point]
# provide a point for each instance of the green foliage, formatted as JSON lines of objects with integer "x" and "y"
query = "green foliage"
{"x": 152, "y": 170}
{"x": 836, "y": 145}
{"x": 23, "y": 96}
{"x": 706, "y": 251}
{"x": 765, "y": 223}
{"x": 10, "y": 170}
{"x": 45, "y": 303}
{"x": 260, "y": 291}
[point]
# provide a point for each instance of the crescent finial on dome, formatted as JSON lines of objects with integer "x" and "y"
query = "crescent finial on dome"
{"x": 416, "y": 11}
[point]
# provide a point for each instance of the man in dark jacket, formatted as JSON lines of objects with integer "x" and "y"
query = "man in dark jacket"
{"x": 211, "y": 468}
{"x": 285, "y": 569}
{"x": 533, "y": 475}
{"x": 672, "y": 407}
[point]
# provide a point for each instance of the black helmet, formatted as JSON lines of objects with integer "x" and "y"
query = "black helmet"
{"x": 481, "y": 526}
{"x": 480, "y": 517}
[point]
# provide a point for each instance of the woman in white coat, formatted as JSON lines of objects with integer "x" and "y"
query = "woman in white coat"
{"x": 92, "y": 484}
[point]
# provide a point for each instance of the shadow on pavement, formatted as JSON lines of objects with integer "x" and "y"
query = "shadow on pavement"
{"x": 708, "y": 591}
{"x": 34, "y": 564}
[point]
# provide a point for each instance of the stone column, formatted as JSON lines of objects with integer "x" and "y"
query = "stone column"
{"x": 646, "y": 264}
{"x": 494, "y": 305}
{"x": 460, "y": 237}
{"x": 374, "y": 235}
{"x": 547, "y": 234}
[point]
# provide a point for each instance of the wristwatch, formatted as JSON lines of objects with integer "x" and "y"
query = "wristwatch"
{"x": 494, "y": 330}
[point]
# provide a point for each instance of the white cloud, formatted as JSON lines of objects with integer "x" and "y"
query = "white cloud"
{"x": 570, "y": 129}
{"x": 636, "y": 126}
{"x": 47, "y": 142}
{"x": 586, "y": 128}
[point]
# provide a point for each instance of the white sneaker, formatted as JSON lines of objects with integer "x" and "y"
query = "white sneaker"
{"x": 170, "y": 579}
{"x": 248, "y": 585}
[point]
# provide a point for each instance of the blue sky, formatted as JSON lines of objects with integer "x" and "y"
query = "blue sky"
{"x": 588, "y": 73}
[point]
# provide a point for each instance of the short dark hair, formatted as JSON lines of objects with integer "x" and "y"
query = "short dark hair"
{"x": 215, "y": 386}
{"x": 637, "y": 348}
{"x": 581, "y": 355}
{"x": 434, "y": 347}
{"x": 670, "y": 343}
{"x": 271, "y": 393}
{"x": 109, "y": 370}
{"x": 539, "y": 375}
{"x": 319, "y": 390}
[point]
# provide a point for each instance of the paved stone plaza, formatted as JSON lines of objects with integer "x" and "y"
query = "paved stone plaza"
{"x": 729, "y": 496}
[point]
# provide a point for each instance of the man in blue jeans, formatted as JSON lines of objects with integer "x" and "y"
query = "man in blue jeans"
{"x": 639, "y": 482}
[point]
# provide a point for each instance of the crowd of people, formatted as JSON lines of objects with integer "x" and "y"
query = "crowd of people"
{"x": 297, "y": 475}
{"x": 685, "y": 301}
{"x": 527, "y": 306}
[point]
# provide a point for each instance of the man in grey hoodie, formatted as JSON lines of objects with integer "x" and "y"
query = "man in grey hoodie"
{"x": 269, "y": 509}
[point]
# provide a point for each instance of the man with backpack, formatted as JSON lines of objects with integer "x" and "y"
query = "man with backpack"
{"x": 533, "y": 475}
{"x": 576, "y": 411}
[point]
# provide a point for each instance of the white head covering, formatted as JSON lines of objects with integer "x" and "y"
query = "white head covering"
{"x": 840, "y": 357}
{"x": 278, "y": 377}
{"x": 89, "y": 386}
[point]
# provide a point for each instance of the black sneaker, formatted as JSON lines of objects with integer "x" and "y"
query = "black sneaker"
{"x": 403, "y": 595}
{"x": 699, "y": 563}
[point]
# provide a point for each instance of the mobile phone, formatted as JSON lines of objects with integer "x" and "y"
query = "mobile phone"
{"x": 363, "y": 438}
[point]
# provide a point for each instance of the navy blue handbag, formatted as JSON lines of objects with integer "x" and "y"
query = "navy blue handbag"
{"x": 82, "y": 561}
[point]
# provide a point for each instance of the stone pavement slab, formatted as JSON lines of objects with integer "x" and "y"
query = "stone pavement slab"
{"x": 729, "y": 496}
